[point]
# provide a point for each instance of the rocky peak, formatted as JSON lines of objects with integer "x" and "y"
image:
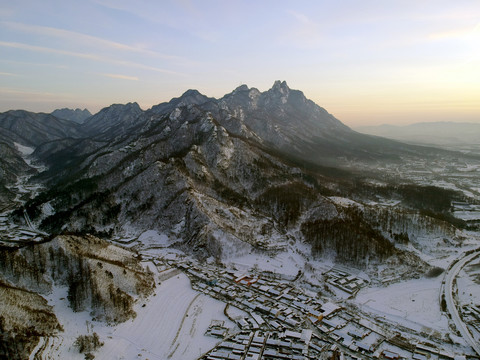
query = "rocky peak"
{"x": 279, "y": 93}
{"x": 242, "y": 87}
{"x": 280, "y": 86}
{"x": 192, "y": 97}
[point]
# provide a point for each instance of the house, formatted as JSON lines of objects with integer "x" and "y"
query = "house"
{"x": 390, "y": 355}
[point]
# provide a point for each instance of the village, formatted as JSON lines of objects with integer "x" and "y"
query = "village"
{"x": 12, "y": 235}
{"x": 276, "y": 319}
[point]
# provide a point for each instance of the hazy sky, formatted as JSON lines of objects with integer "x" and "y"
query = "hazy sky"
{"x": 365, "y": 61}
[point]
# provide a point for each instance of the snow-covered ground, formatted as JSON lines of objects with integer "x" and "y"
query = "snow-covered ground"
{"x": 468, "y": 284}
{"x": 151, "y": 238}
{"x": 24, "y": 150}
{"x": 414, "y": 303}
{"x": 288, "y": 262}
{"x": 169, "y": 325}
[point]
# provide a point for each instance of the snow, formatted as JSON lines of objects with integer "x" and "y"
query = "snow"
{"x": 344, "y": 202}
{"x": 74, "y": 325}
{"x": 24, "y": 150}
{"x": 467, "y": 215}
{"x": 468, "y": 283}
{"x": 153, "y": 238}
{"x": 170, "y": 324}
{"x": 287, "y": 262}
{"x": 413, "y": 303}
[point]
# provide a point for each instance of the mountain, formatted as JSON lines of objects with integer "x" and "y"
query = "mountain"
{"x": 77, "y": 115}
{"x": 32, "y": 129}
{"x": 112, "y": 121}
{"x": 433, "y": 133}
{"x": 11, "y": 166}
{"x": 23, "y": 130}
{"x": 222, "y": 176}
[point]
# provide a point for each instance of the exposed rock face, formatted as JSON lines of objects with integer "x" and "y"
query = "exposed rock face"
{"x": 100, "y": 277}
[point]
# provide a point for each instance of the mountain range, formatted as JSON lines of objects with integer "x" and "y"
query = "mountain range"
{"x": 247, "y": 169}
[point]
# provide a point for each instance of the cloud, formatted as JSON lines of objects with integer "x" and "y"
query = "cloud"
{"x": 184, "y": 16}
{"x": 77, "y": 37}
{"x": 33, "y": 94}
{"x": 8, "y": 74}
{"x": 120, "y": 76}
{"x": 87, "y": 56}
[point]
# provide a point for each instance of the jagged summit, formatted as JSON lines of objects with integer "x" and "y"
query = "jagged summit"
{"x": 280, "y": 86}
{"x": 242, "y": 87}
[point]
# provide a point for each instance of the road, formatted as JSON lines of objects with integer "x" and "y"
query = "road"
{"x": 452, "y": 307}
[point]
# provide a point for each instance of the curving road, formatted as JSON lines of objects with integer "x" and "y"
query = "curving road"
{"x": 452, "y": 307}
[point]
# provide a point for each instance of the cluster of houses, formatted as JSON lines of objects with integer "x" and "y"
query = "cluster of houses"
{"x": 12, "y": 235}
{"x": 345, "y": 281}
{"x": 283, "y": 321}
{"x": 260, "y": 344}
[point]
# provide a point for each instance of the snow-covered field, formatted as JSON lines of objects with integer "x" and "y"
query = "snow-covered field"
{"x": 171, "y": 325}
{"x": 412, "y": 303}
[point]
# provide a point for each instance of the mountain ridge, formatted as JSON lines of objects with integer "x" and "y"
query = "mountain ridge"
{"x": 266, "y": 161}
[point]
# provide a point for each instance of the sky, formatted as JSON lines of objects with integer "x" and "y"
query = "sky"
{"x": 367, "y": 62}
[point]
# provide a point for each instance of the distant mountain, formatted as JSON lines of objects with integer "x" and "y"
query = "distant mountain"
{"x": 77, "y": 115}
{"x": 32, "y": 129}
{"x": 26, "y": 129}
{"x": 433, "y": 133}
{"x": 112, "y": 121}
